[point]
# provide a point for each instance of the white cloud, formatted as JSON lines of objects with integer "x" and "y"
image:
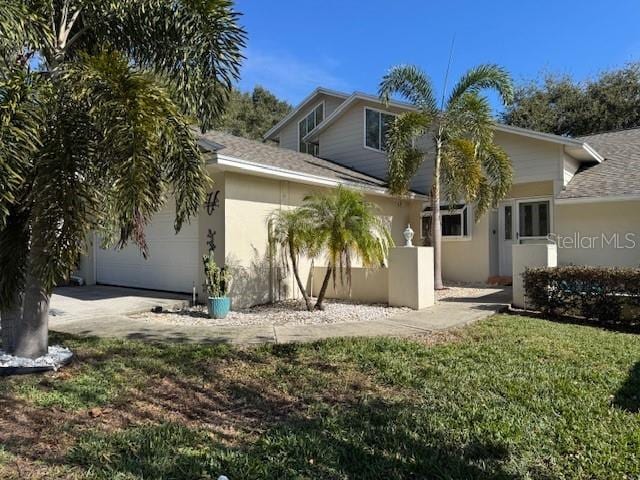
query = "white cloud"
{"x": 288, "y": 77}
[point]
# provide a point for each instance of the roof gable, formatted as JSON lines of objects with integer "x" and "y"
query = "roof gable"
{"x": 273, "y": 131}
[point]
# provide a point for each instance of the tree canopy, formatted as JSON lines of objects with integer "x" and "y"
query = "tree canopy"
{"x": 558, "y": 104}
{"x": 96, "y": 99}
{"x": 251, "y": 115}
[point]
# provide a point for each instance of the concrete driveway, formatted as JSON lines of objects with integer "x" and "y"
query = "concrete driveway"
{"x": 72, "y": 304}
{"x": 105, "y": 312}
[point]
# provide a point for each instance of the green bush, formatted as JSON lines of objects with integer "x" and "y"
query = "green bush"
{"x": 606, "y": 294}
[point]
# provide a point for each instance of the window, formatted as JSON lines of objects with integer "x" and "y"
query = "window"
{"x": 376, "y": 126}
{"x": 508, "y": 222}
{"x": 454, "y": 221}
{"x": 534, "y": 219}
{"x": 306, "y": 125}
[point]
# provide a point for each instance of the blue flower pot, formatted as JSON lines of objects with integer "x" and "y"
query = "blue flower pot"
{"x": 219, "y": 307}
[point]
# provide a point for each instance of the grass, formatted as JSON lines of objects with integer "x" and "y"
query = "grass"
{"x": 508, "y": 398}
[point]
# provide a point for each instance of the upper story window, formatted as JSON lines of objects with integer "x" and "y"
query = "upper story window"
{"x": 307, "y": 124}
{"x": 376, "y": 125}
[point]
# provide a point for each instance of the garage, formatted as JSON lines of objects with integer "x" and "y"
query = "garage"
{"x": 172, "y": 264}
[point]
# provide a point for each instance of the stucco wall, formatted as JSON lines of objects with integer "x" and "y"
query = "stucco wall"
{"x": 368, "y": 285}
{"x": 249, "y": 200}
{"x": 213, "y": 219}
{"x": 468, "y": 260}
{"x": 580, "y": 229}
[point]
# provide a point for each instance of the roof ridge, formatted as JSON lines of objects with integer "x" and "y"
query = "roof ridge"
{"x": 605, "y": 132}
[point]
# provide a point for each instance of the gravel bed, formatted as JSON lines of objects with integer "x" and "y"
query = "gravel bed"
{"x": 55, "y": 358}
{"x": 465, "y": 291}
{"x": 289, "y": 312}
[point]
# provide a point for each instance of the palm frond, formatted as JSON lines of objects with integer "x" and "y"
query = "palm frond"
{"x": 20, "y": 130}
{"x": 404, "y": 158}
{"x": 482, "y": 77}
{"x": 412, "y": 84}
{"x": 145, "y": 150}
{"x": 470, "y": 117}
{"x": 194, "y": 45}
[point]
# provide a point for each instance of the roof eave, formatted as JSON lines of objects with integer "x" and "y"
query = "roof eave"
{"x": 229, "y": 163}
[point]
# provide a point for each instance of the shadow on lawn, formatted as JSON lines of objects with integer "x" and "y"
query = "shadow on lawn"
{"x": 366, "y": 441}
{"x": 628, "y": 396}
{"x": 203, "y": 411}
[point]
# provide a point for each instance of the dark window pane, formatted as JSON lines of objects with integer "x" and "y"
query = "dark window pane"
{"x": 452, "y": 225}
{"x": 543, "y": 219}
{"x": 319, "y": 113}
{"x": 508, "y": 222}
{"x": 534, "y": 219}
{"x": 372, "y": 129}
{"x": 311, "y": 121}
{"x": 426, "y": 230}
{"x": 526, "y": 220}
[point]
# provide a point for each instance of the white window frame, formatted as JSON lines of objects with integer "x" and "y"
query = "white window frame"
{"x": 465, "y": 210}
{"x": 304, "y": 118}
{"x": 364, "y": 128}
{"x": 518, "y": 236}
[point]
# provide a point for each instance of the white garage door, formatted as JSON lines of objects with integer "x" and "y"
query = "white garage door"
{"x": 172, "y": 264}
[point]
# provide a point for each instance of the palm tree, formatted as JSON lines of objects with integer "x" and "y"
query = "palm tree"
{"x": 95, "y": 103}
{"x": 466, "y": 160}
{"x": 345, "y": 226}
{"x": 290, "y": 230}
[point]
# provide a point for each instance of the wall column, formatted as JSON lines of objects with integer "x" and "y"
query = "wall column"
{"x": 411, "y": 277}
{"x": 530, "y": 256}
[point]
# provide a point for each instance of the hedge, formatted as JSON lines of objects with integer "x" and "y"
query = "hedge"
{"x": 606, "y": 294}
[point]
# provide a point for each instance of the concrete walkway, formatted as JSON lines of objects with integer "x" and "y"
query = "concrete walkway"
{"x": 101, "y": 312}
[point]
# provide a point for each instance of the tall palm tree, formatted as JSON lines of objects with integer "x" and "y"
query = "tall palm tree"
{"x": 467, "y": 162}
{"x": 346, "y": 227}
{"x": 290, "y": 230}
{"x": 95, "y": 103}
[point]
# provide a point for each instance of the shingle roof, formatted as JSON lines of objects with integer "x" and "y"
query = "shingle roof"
{"x": 282, "y": 158}
{"x": 617, "y": 175}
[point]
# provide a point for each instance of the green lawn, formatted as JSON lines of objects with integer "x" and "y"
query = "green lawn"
{"x": 507, "y": 398}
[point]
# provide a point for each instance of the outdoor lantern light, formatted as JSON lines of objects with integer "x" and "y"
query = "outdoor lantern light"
{"x": 408, "y": 236}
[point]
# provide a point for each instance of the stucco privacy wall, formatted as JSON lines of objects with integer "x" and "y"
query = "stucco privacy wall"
{"x": 468, "y": 260}
{"x": 369, "y": 285}
{"x": 595, "y": 233}
{"x": 249, "y": 200}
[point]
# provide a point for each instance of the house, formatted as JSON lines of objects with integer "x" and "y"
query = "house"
{"x": 583, "y": 194}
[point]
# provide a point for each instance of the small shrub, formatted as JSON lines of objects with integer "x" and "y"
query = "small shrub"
{"x": 609, "y": 295}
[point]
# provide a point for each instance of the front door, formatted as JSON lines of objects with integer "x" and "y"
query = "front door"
{"x": 522, "y": 221}
{"x": 506, "y": 217}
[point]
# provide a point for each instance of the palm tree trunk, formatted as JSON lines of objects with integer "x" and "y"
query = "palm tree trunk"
{"x": 32, "y": 333}
{"x": 296, "y": 273}
{"x": 436, "y": 226}
{"x": 323, "y": 290}
{"x": 9, "y": 323}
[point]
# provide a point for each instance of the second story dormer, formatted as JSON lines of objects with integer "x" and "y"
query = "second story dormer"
{"x": 346, "y": 129}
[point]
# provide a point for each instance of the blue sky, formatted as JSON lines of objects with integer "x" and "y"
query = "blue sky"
{"x": 295, "y": 46}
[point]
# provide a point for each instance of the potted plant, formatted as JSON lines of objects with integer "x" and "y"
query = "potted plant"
{"x": 217, "y": 287}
